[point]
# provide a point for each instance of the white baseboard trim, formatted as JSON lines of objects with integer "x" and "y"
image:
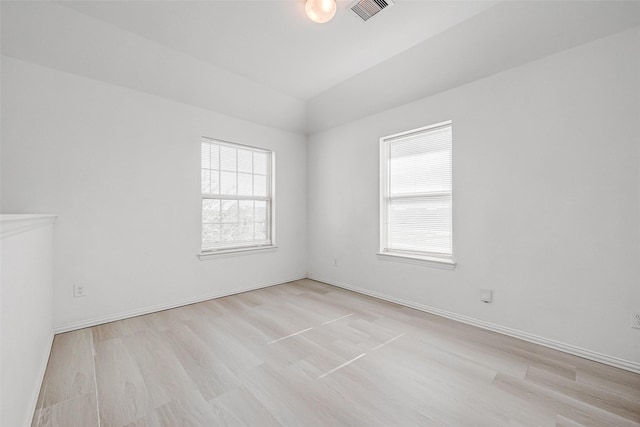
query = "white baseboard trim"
{"x": 38, "y": 385}
{"x": 67, "y": 327}
{"x": 556, "y": 345}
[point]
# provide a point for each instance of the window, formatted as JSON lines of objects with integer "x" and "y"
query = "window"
{"x": 416, "y": 195}
{"x": 237, "y": 204}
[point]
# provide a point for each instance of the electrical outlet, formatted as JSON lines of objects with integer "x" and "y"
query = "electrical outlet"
{"x": 635, "y": 320}
{"x": 79, "y": 291}
{"x": 335, "y": 262}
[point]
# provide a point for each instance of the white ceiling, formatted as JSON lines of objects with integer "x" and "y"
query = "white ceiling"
{"x": 274, "y": 43}
{"x": 509, "y": 34}
{"x": 265, "y": 62}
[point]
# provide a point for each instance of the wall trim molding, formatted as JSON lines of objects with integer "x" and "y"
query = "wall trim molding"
{"x": 33, "y": 403}
{"x": 12, "y": 224}
{"x": 556, "y": 345}
{"x": 87, "y": 323}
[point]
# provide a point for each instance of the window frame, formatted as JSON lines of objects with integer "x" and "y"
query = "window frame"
{"x": 250, "y": 247}
{"x": 440, "y": 260}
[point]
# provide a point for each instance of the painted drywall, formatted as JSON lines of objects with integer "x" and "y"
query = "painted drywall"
{"x": 546, "y": 199}
{"x": 26, "y": 285}
{"x": 121, "y": 170}
{"x": 466, "y": 52}
{"x": 47, "y": 33}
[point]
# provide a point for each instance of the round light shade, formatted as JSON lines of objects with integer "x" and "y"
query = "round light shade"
{"x": 320, "y": 11}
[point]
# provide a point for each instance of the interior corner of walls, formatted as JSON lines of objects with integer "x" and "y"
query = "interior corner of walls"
{"x": 87, "y": 322}
{"x": 132, "y": 138}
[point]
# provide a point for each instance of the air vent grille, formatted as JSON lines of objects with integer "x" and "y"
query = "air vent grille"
{"x": 365, "y": 9}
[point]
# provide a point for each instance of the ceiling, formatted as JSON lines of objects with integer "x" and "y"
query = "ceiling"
{"x": 265, "y": 62}
{"x": 274, "y": 43}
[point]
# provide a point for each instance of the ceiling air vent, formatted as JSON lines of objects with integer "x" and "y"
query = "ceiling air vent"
{"x": 365, "y": 9}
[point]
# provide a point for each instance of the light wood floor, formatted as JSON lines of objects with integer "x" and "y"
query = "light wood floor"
{"x": 309, "y": 354}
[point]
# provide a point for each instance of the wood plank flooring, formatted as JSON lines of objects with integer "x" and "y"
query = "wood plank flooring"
{"x": 309, "y": 354}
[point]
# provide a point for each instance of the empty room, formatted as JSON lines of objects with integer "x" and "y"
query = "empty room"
{"x": 320, "y": 213}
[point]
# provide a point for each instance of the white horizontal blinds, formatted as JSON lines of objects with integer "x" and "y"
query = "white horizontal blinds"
{"x": 236, "y": 196}
{"x": 419, "y": 192}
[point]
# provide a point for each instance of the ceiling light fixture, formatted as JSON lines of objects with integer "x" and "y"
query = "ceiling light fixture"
{"x": 320, "y": 11}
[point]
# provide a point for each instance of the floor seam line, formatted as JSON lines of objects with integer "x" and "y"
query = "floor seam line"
{"x": 95, "y": 377}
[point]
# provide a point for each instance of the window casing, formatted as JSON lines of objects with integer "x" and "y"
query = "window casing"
{"x": 416, "y": 194}
{"x": 237, "y": 196}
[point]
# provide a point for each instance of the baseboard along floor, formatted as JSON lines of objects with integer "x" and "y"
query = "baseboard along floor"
{"x": 312, "y": 354}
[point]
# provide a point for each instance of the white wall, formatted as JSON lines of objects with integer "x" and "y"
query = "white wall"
{"x": 546, "y": 199}
{"x": 504, "y": 36}
{"x": 544, "y": 154}
{"x": 26, "y": 287}
{"x": 53, "y": 35}
{"x": 121, "y": 170}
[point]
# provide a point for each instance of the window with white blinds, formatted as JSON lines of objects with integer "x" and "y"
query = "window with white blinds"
{"x": 416, "y": 193}
{"x": 236, "y": 196}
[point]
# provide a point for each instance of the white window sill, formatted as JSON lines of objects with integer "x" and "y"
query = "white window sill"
{"x": 203, "y": 256}
{"x": 444, "y": 263}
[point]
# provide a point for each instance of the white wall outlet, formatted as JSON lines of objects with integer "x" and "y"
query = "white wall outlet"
{"x": 486, "y": 295}
{"x": 635, "y": 320}
{"x": 79, "y": 291}
{"x": 335, "y": 262}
